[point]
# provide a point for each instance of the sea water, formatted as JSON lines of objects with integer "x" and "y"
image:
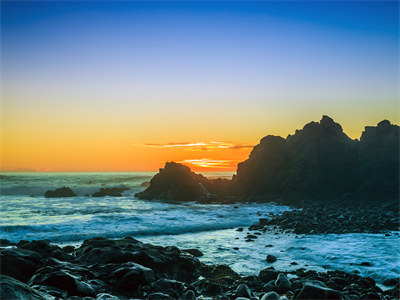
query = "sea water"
{"x": 26, "y": 215}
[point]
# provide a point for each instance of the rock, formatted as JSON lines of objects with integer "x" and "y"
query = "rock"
{"x": 177, "y": 182}
{"x": 42, "y": 247}
{"x": 267, "y": 275}
{"x": 220, "y": 273}
{"x": 113, "y": 192}
{"x": 243, "y": 291}
{"x": 171, "y": 287}
{"x": 158, "y": 296}
{"x": 282, "y": 284}
{"x": 11, "y": 288}
{"x": 62, "y": 279}
{"x": 212, "y": 289}
{"x": 19, "y": 263}
{"x": 194, "y": 252}
{"x": 60, "y": 193}
{"x": 366, "y": 264}
{"x": 311, "y": 291}
{"x": 270, "y": 296}
{"x": 391, "y": 281}
{"x": 271, "y": 258}
{"x": 189, "y": 295}
{"x": 145, "y": 184}
{"x": 105, "y": 296}
{"x": 371, "y": 295}
{"x": 322, "y": 162}
{"x": 5, "y": 243}
{"x": 127, "y": 276}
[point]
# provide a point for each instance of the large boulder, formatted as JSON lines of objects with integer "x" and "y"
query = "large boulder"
{"x": 19, "y": 263}
{"x": 60, "y": 193}
{"x": 312, "y": 291}
{"x": 11, "y": 288}
{"x": 177, "y": 182}
{"x": 166, "y": 262}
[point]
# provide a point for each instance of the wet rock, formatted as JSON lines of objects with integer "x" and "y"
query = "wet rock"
{"x": 267, "y": 275}
{"x": 19, "y": 263}
{"x": 243, "y": 291}
{"x": 171, "y": 287}
{"x": 211, "y": 289}
{"x": 60, "y": 193}
{"x": 158, "y": 296}
{"x": 271, "y": 258}
{"x": 113, "y": 192}
{"x": 220, "y": 273}
{"x": 371, "y": 295}
{"x": 11, "y": 288}
{"x": 391, "y": 281}
{"x": 194, "y": 252}
{"x": 106, "y": 296}
{"x": 311, "y": 291}
{"x": 366, "y": 264}
{"x": 127, "y": 276}
{"x": 282, "y": 284}
{"x": 5, "y": 243}
{"x": 189, "y": 295}
{"x": 42, "y": 247}
{"x": 58, "y": 278}
{"x": 270, "y": 296}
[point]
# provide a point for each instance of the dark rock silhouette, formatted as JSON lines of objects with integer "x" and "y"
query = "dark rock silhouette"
{"x": 177, "y": 182}
{"x": 114, "y": 192}
{"x": 60, "y": 192}
{"x": 322, "y": 162}
{"x": 318, "y": 162}
{"x": 379, "y": 161}
{"x": 11, "y": 288}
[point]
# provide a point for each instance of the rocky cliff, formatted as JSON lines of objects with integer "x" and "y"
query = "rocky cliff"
{"x": 318, "y": 162}
{"x": 321, "y": 161}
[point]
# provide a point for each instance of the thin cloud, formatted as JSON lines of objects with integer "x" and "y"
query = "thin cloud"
{"x": 209, "y": 163}
{"x": 201, "y": 146}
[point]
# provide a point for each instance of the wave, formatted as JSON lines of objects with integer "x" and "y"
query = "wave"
{"x": 56, "y": 233}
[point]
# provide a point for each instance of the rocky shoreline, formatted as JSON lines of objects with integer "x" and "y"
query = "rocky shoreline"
{"x": 129, "y": 269}
{"x": 334, "y": 218}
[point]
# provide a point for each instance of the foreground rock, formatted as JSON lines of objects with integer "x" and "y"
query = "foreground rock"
{"x": 60, "y": 193}
{"x": 121, "y": 269}
{"x": 11, "y": 288}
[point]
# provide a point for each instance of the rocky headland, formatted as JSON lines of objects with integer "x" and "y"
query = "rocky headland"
{"x": 318, "y": 164}
{"x": 340, "y": 185}
{"x": 127, "y": 268}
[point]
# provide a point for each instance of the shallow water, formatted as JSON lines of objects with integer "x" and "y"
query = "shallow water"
{"x": 210, "y": 228}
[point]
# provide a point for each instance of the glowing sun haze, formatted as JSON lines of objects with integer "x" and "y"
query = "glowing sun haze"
{"x": 126, "y": 86}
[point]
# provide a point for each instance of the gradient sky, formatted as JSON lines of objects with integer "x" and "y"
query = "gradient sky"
{"x": 126, "y": 86}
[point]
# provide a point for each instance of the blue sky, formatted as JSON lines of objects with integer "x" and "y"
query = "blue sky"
{"x": 254, "y": 67}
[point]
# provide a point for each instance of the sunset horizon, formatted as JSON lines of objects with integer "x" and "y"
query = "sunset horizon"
{"x": 127, "y": 86}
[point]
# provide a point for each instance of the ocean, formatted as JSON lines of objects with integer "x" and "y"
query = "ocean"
{"x": 25, "y": 214}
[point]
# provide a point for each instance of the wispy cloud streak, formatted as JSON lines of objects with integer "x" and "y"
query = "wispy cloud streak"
{"x": 201, "y": 146}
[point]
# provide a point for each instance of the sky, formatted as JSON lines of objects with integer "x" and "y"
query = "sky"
{"x": 129, "y": 85}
